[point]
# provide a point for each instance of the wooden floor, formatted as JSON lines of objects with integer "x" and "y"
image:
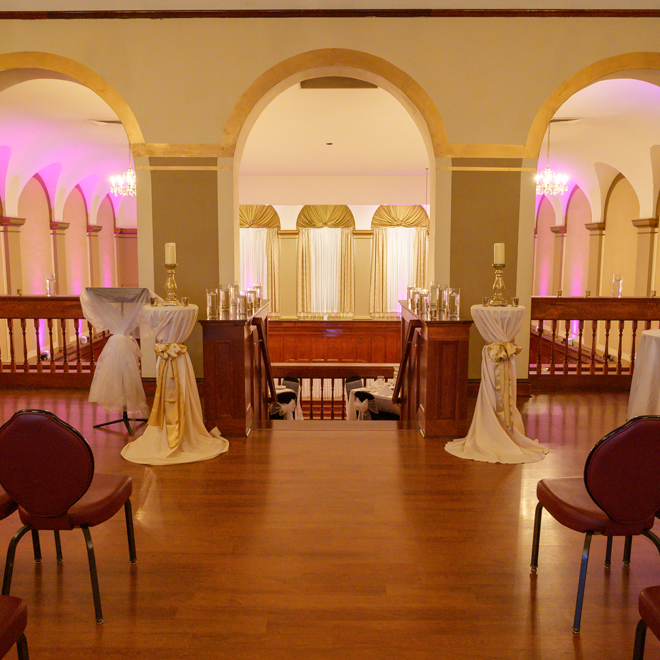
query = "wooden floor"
{"x": 320, "y": 544}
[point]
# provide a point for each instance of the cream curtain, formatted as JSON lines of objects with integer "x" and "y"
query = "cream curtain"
{"x": 378, "y": 291}
{"x": 325, "y": 273}
{"x": 400, "y": 216}
{"x": 260, "y": 251}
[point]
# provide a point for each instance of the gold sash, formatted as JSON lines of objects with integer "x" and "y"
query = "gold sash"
{"x": 169, "y": 402}
{"x": 501, "y": 353}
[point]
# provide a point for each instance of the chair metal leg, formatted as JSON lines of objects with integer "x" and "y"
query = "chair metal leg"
{"x": 626, "y": 551}
{"x": 58, "y": 547}
{"x": 640, "y": 640}
{"x": 581, "y": 582}
{"x": 11, "y": 553}
{"x": 650, "y": 535}
{"x": 128, "y": 510}
{"x": 22, "y": 648}
{"x": 608, "y": 552}
{"x": 36, "y": 546}
{"x": 93, "y": 574}
{"x": 537, "y": 537}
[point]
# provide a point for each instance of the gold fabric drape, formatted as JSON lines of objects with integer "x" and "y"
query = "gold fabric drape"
{"x": 325, "y": 215}
{"x": 273, "y": 269}
{"x": 378, "y": 289}
{"x": 258, "y": 216}
{"x": 400, "y": 216}
{"x": 346, "y": 302}
{"x": 420, "y": 256}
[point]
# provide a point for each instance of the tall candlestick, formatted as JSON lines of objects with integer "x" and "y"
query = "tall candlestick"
{"x": 170, "y": 253}
{"x": 498, "y": 253}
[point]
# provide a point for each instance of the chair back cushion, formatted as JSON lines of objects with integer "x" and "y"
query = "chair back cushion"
{"x": 286, "y": 397}
{"x": 45, "y": 464}
{"x": 353, "y": 382}
{"x": 292, "y": 384}
{"x": 622, "y": 472}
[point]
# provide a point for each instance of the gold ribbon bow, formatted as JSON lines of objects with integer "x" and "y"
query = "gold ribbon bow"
{"x": 169, "y": 402}
{"x": 501, "y": 353}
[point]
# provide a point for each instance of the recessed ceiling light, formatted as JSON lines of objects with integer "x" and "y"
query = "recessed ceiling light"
{"x": 329, "y": 143}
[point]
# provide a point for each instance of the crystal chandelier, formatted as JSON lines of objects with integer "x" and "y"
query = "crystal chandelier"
{"x": 123, "y": 185}
{"x": 548, "y": 182}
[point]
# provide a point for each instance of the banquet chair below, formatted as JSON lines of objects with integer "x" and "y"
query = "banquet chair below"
{"x": 13, "y": 621}
{"x": 649, "y": 611}
{"x": 618, "y": 495}
{"x": 285, "y": 408}
{"x": 47, "y": 468}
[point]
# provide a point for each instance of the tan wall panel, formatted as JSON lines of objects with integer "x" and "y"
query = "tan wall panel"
{"x": 288, "y": 263}
{"x": 362, "y": 254}
{"x": 185, "y": 212}
{"x": 485, "y": 210}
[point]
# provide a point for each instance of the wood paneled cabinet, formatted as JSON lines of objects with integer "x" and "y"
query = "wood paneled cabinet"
{"x": 234, "y": 373}
{"x": 434, "y": 390}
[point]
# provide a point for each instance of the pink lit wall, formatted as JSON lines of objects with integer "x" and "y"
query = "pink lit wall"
{"x": 544, "y": 249}
{"x": 576, "y": 245}
{"x": 77, "y": 258}
{"x": 106, "y": 218}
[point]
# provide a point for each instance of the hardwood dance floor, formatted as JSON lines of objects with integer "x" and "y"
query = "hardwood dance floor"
{"x": 335, "y": 545}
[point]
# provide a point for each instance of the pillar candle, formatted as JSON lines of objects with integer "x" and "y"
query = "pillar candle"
{"x": 170, "y": 253}
{"x": 498, "y": 253}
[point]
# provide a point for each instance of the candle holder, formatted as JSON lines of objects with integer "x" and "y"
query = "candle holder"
{"x": 497, "y": 300}
{"x": 170, "y": 287}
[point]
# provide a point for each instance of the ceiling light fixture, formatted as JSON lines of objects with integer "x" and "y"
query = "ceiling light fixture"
{"x": 548, "y": 182}
{"x": 123, "y": 185}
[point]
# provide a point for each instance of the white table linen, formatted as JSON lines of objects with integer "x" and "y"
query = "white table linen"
{"x": 497, "y": 434}
{"x": 176, "y": 431}
{"x": 382, "y": 402}
{"x": 117, "y": 383}
{"x": 645, "y": 389}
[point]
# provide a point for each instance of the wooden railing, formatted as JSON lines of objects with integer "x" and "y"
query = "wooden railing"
{"x": 323, "y": 384}
{"x": 46, "y": 342}
{"x": 587, "y": 342}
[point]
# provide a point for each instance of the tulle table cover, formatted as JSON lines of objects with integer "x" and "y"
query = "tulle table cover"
{"x": 117, "y": 383}
{"x": 175, "y": 432}
{"x": 497, "y": 434}
{"x": 645, "y": 389}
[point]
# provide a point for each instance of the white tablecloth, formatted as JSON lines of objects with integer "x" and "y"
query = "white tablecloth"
{"x": 497, "y": 434}
{"x": 382, "y": 400}
{"x": 645, "y": 388}
{"x": 176, "y": 431}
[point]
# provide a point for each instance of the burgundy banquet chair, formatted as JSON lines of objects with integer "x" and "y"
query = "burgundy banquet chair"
{"x": 13, "y": 620}
{"x": 618, "y": 495}
{"x": 47, "y": 468}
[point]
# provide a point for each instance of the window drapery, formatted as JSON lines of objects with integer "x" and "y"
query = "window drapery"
{"x": 398, "y": 255}
{"x": 260, "y": 253}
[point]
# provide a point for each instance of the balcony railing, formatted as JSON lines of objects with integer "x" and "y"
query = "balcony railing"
{"x": 45, "y": 341}
{"x": 587, "y": 342}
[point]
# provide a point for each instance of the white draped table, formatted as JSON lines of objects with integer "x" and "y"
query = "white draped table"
{"x": 645, "y": 388}
{"x": 382, "y": 402}
{"x": 176, "y": 431}
{"x": 497, "y": 434}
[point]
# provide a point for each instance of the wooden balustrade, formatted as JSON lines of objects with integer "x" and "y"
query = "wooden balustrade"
{"x": 587, "y": 342}
{"x": 45, "y": 341}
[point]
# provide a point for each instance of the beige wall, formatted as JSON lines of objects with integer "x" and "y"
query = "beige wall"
{"x": 288, "y": 266}
{"x": 362, "y": 255}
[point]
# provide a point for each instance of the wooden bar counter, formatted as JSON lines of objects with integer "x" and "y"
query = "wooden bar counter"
{"x": 434, "y": 385}
{"x": 235, "y": 381}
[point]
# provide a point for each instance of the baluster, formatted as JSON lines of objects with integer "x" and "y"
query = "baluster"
{"x": 332, "y": 394}
{"x": 65, "y": 353}
{"x": 12, "y": 357}
{"x": 50, "y": 343}
{"x": 343, "y": 398}
{"x": 322, "y": 398}
{"x": 567, "y": 328}
{"x": 552, "y": 347}
{"x": 648, "y": 325}
{"x": 580, "y": 330}
{"x": 632, "y": 350}
{"x": 592, "y": 363}
{"x": 618, "y": 358}
{"x": 78, "y": 358}
{"x": 606, "y": 364}
{"x": 90, "y": 334}
{"x": 26, "y": 365}
{"x": 539, "y": 332}
{"x": 36, "y": 336}
{"x": 311, "y": 398}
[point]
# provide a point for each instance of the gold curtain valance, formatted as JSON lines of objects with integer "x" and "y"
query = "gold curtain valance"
{"x": 400, "y": 216}
{"x": 325, "y": 215}
{"x": 258, "y": 216}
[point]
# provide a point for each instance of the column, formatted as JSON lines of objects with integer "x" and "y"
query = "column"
{"x": 57, "y": 230}
{"x": 647, "y": 229}
{"x": 94, "y": 255}
{"x": 10, "y": 257}
{"x": 596, "y": 240}
{"x": 557, "y": 257}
